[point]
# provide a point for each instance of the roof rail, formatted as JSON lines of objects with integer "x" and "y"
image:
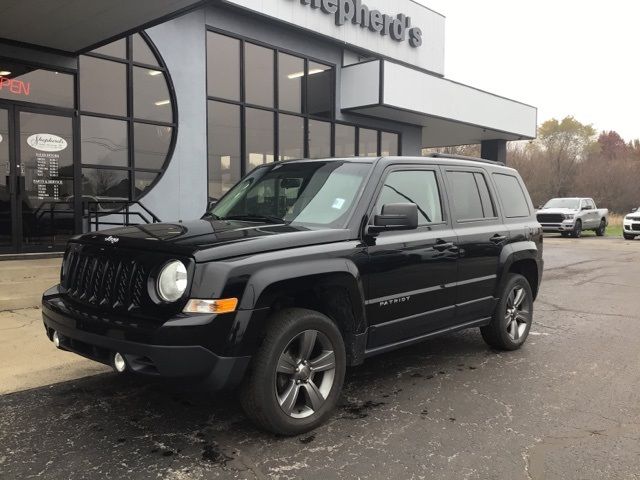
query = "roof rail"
{"x": 464, "y": 157}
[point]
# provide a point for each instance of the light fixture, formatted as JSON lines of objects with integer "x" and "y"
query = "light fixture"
{"x": 162, "y": 102}
{"x": 301, "y": 74}
{"x": 154, "y": 73}
{"x": 4, "y": 73}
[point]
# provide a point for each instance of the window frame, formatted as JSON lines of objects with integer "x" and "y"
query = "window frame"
{"x": 412, "y": 168}
{"x": 492, "y": 196}
{"x": 277, "y": 111}
{"x": 129, "y": 118}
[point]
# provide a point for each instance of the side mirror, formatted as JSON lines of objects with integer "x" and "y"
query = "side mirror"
{"x": 211, "y": 203}
{"x": 395, "y": 216}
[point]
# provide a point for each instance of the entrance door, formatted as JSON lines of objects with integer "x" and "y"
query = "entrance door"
{"x": 37, "y": 211}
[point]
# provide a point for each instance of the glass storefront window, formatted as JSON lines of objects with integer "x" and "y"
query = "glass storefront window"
{"x": 260, "y": 137}
{"x": 28, "y": 84}
{"x": 290, "y": 76}
{"x": 319, "y": 139}
{"x": 224, "y": 155}
{"x": 368, "y": 143}
{"x": 223, "y": 66}
{"x": 103, "y": 86}
{"x": 320, "y": 90}
{"x": 390, "y": 144}
{"x": 142, "y": 182}
{"x": 258, "y": 77}
{"x": 151, "y": 144}
{"x": 291, "y": 141}
{"x": 142, "y": 52}
{"x": 6, "y": 228}
{"x": 104, "y": 142}
{"x": 345, "y": 141}
{"x": 151, "y": 100}
{"x": 105, "y": 184}
{"x": 117, "y": 49}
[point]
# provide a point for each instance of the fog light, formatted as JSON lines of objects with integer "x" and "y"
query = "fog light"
{"x": 56, "y": 339}
{"x": 119, "y": 363}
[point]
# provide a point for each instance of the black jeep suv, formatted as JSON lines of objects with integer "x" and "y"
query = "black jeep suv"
{"x": 301, "y": 270}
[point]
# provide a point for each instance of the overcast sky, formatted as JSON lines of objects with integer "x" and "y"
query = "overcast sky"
{"x": 566, "y": 57}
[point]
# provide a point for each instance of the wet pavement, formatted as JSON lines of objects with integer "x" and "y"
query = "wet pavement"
{"x": 565, "y": 406}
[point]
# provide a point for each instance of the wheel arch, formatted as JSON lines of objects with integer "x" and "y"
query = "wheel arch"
{"x": 523, "y": 260}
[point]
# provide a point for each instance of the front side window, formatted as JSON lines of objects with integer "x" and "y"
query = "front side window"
{"x": 413, "y": 186}
{"x": 307, "y": 193}
{"x": 513, "y": 197}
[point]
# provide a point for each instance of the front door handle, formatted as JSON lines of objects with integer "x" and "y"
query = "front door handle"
{"x": 497, "y": 239}
{"x": 441, "y": 246}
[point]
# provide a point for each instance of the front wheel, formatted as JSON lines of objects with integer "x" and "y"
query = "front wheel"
{"x": 577, "y": 229}
{"x": 296, "y": 376}
{"x": 628, "y": 236}
{"x": 601, "y": 230}
{"x": 511, "y": 322}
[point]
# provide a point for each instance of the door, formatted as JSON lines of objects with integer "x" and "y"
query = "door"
{"x": 7, "y": 185}
{"x": 37, "y": 209}
{"x": 481, "y": 237}
{"x": 411, "y": 274}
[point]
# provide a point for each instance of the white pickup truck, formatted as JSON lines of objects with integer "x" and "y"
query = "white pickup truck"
{"x": 572, "y": 216}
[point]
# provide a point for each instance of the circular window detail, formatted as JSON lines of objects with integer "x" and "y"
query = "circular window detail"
{"x": 128, "y": 122}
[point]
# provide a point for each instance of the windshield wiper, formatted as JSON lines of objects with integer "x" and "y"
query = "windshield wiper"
{"x": 251, "y": 217}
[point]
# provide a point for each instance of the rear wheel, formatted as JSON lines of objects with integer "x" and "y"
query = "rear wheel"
{"x": 296, "y": 377}
{"x": 577, "y": 229}
{"x": 511, "y": 322}
{"x": 601, "y": 230}
{"x": 628, "y": 236}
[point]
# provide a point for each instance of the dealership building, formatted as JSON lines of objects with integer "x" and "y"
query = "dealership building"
{"x": 155, "y": 108}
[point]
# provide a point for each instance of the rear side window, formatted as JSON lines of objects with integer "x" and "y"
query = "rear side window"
{"x": 471, "y": 197}
{"x": 414, "y": 186}
{"x": 513, "y": 198}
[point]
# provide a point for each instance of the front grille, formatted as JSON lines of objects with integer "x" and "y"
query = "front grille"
{"x": 96, "y": 279}
{"x": 636, "y": 227}
{"x": 550, "y": 218}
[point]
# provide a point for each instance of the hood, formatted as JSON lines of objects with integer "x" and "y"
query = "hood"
{"x": 209, "y": 239}
{"x": 569, "y": 211}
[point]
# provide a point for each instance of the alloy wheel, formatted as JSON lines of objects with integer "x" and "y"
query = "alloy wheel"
{"x": 518, "y": 314}
{"x": 305, "y": 374}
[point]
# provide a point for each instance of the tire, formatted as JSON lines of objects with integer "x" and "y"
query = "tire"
{"x": 577, "y": 229}
{"x": 628, "y": 236}
{"x": 564, "y": 234}
{"x": 281, "y": 392}
{"x": 510, "y": 328}
{"x": 602, "y": 229}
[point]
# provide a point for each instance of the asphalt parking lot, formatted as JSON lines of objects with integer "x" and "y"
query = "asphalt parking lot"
{"x": 566, "y": 406}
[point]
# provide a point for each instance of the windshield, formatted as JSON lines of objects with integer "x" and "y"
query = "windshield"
{"x": 571, "y": 203}
{"x": 314, "y": 193}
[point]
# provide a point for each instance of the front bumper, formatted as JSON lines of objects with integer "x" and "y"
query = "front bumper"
{"x": 143, "y": 356}
{"x": 631, "y": 227}
{"x": 566, "y": 226}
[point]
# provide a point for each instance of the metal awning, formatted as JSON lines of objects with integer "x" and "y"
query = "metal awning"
{"x": 449, "y": 112}
{"x": 75, "y": 26}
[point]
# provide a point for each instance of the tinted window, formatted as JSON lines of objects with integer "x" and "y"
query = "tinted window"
{"x": 223, "y": 66}
{"x": 368, "y": 143}
{"x": 390, "y": 144}
{"x": 28, "y": 84}
{"x": 258, "y": 65}
{"x": 290, "y": 75}
{"x": 345, "y": 141}
{"x": 291, "y": 137}
{"x": 320, "y": 90}
{"x": 415, "y": 186}
{"x": 142, "y": 182}
{"x": 103, "y": 86}
{"x": 141, "y": 51}
{"x": 467, "y": 203}
{"x": 104, "y": 142}
{"x": 104, "y": 184}
{"x": 151, "y": 100}
{"x": 513, "y": 198}
{"x": 116, "y": 49}
{"x": 151, "y": 145}
{"x": 224, "y": 147}
{"x": 488, "y": 209}
{"x": 319, "y": 139}
{"x": 260, "y": 137}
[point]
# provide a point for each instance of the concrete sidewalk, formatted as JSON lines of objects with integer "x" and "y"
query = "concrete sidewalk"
{"x": 28, "y": 359}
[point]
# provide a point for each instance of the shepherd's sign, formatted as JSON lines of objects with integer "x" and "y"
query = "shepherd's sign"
{"x": 354, "y": 11}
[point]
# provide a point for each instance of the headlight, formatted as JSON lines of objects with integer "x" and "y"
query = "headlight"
{"x": 172, "y": 281}
{"x": 569, "y": 216}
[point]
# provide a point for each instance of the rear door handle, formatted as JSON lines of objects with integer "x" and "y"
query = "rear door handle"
{"x": 498, "y": 239}
{"x": 441, "y": 246}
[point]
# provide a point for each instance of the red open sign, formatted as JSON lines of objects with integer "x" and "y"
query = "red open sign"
{"x": 15, "y": 86}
